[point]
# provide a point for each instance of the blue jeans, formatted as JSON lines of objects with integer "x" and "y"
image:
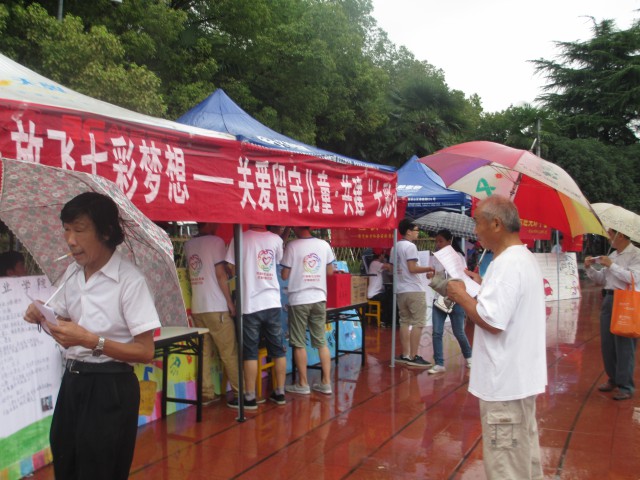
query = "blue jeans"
{"x": 457, "y": 324}
{"x": 267, "y": 323}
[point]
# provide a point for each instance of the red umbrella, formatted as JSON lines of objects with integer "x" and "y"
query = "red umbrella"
{"x": 542, "y": 190}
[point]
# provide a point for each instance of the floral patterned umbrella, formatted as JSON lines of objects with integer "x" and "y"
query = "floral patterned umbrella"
{"x": 31, "y": 198}
{"x": 542, "y": 190}
{"x": 619, "y": 219}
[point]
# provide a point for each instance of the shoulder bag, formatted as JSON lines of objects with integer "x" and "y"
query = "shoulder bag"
{"x": 625, "y": 316}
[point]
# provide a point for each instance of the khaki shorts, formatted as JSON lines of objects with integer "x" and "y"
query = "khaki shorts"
{"x": 412, "y": 307}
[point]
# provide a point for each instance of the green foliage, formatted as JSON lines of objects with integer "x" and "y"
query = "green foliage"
{"x": 595, "y": 86}
{"x": 91, "y": 62}
{"x": 323, "y": 72}
{"x": 603, "y": 172}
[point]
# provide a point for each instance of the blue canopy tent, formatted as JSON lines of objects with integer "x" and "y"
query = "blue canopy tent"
{"x": 218, "y": 112}
{"x": 426, "y": 191}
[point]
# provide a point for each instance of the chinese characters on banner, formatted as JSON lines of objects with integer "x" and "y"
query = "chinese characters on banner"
{"x": 361, "y": 237}
{"x": 532, "y": 230}
{"x": 171, "y": 175}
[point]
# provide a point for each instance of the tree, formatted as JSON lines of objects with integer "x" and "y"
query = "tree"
{"x": 91, "y": 62}
{"x": 595, "y": 86}
{"x": 604, "y": 173}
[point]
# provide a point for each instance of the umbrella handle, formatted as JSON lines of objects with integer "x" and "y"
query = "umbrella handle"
{"x": 477, "y": 269}
{"x": 60, "y": 287}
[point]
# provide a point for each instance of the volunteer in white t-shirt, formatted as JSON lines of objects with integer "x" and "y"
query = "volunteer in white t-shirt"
{"x": 212, "y": 306}
{"x": 307, "y": 262}
{"x": 509, "y": 351}
{"x": 412, "y": 298}
{"x": 261, "y": 306}
{"x": 377, "y": 290}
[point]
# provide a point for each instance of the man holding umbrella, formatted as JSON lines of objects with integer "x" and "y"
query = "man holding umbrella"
{"x": 105, "y": 319}
{"x": 620, "y": 269}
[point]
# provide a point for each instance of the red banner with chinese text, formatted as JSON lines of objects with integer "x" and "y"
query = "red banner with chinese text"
{"x": 172, "y": 175}
{"x": 368, "y": 237}
{"x": 532, "y": 230}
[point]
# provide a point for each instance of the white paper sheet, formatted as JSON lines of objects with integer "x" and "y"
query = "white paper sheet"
{"x": 455, "y": 266}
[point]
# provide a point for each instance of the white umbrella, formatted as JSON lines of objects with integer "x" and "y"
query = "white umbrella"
{"x": 619, "y": 219}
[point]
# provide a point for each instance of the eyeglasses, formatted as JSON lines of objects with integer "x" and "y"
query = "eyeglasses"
{"x": 415, "y": 229}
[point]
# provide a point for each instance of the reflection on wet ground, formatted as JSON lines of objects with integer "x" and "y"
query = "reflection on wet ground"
{"x": 401, "y": 423}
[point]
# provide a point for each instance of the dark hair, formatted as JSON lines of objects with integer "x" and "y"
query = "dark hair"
{"x": 9, "y": 260}
{"x": 406, "y": 224}
{"x": 102, "y": 211}
{"x": 448, "y": 236}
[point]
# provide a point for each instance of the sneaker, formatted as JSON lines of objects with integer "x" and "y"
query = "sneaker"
{"x": 299, "y": 389}
{"x": 403, "y": 359}
{"x": 437, "y": 369}
{"x": 323, "y": 388}
{"x": 248, "y": 404}
{"x": 278, "y": 398}
{"x": 418, "y": 361}
{"x": 468, "y": 363}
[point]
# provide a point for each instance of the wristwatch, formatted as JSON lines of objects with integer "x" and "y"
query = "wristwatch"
{"x": 97, "y": 350}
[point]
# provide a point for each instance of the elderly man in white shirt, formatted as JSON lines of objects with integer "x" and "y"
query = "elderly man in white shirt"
{"x": 618, "y": 353}
{"x": 509, "y": 351}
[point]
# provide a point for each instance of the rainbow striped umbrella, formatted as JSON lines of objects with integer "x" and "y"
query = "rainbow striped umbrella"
{"x": 541, "y": 190}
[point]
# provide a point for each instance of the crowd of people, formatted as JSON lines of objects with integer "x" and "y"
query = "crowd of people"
{"x": 304, "y": 264}
{"x": 106, "y": 318}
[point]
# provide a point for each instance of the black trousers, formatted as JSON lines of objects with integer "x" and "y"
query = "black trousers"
{"x": 94, "y": 426}
{"x": 386, "y": 304}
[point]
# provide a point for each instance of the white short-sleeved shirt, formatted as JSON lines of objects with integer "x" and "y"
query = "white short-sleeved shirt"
{"x": 114, "y": 303}
{"x": 376, "y": 285}
{"x": 308, "y": 259}
{"x": 407, "y": 281}
{"x": 261, "y": 254}
{"x": 203, "y": 254}
{"x": 512, "y": 364}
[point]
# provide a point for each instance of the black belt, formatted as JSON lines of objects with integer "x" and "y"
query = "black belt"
{"x": 607, "y": 291}
{"x": 76, "y": 366}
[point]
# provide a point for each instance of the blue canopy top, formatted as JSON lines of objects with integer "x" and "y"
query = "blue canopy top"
{"x": 218, "y": 112}
{"x": 426, "y": 191}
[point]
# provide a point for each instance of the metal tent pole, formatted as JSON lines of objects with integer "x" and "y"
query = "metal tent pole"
{"x": 237, "y": 250}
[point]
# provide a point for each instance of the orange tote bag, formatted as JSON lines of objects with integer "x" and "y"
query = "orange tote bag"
{"x": 625, "y": 316}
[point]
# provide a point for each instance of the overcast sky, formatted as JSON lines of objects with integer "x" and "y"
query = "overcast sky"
{"x": 483, "y": 45}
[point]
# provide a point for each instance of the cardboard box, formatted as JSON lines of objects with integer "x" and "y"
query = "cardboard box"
{"x": 338, "y": 290}
{"x": 359, "y": 285}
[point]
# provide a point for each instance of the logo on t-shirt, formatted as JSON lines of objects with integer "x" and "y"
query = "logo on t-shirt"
{"x": 195, "y": 265}
{"x": 311, "y": 263}
{"x": 266, "y": 260}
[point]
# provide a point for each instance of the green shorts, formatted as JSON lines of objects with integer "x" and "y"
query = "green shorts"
{"x": 311, "y": 315}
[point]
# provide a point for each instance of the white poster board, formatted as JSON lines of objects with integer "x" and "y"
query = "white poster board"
{"x": 425, "y": 259}
{"x": 30, "y": 361}
{"x": 560, "y": 273}
{"x": 562, "y": 322}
